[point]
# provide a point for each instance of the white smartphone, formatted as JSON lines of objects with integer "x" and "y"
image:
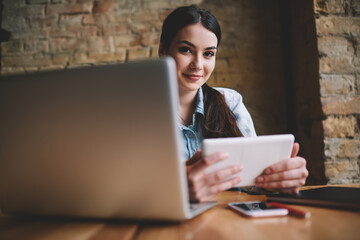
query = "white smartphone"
{"x": 257, "y": 209}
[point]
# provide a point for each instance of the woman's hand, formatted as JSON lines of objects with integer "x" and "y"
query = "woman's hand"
{"x": 203, "y": 187}
{"x": 286, "y": 176}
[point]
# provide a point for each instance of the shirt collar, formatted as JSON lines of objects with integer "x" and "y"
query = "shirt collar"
{"x": 199, "y": 110}
{"x": 200, "y": 102}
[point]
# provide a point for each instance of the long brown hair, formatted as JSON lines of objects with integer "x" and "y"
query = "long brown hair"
{"x": 219, "y": 120}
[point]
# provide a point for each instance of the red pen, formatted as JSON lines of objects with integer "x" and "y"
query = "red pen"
{"x": 292, "y": 211}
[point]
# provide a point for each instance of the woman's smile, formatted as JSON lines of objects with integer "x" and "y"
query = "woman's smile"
{"x": 192, "y": 77}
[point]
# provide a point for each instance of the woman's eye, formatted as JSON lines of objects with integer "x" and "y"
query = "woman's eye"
{"x": 184, "y": 49}
{"x": 209, "y": 54}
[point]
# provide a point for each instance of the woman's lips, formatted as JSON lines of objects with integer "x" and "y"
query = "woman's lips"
{"x": 192, "y": 77}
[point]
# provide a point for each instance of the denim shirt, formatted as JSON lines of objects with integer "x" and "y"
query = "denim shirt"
{"x": 192, "y": 135}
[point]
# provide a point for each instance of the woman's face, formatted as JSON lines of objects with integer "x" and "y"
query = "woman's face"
{"x": 194, "y": 49}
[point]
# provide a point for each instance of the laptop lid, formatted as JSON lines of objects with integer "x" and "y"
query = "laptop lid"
{"x": 93, "y": 142}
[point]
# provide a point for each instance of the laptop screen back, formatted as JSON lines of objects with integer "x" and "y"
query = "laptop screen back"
{"x": 92, "y": 142}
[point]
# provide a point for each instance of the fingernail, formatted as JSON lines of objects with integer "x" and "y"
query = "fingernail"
{"x": 267, "y": 171}
{"x": 238, "y": 168}
{"x": 224, "y": 155}
{"x": 259, "y": 179}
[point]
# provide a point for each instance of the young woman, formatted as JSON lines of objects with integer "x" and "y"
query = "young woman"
{"x": 191, "y": 36}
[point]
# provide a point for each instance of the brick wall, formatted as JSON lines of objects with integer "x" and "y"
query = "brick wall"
{"x": 338, "y": 31}
{"x": 53, "y": 34}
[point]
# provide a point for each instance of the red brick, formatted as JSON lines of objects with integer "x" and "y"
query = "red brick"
{"x": 102, "y": 6}
{"x": 157, "y": 4}
{"x": 144, "y": 16}
{"x": 100, "y": 19}
{"x": 74, "y": 31}
{"x": 57, "y": 9}
{"x": 150, "y": 39}
{"x": 101, "y": 44}
{"x": 70, "y": 20}
{"x": 88, "y": 20}
{"x": 62, "y": 58}
{"x": 80, "y": 56}
{"x": 73, "y": 43}
{"x": 141, "y": 27}
{"x": 127, "y": 41}
{"x": 137, "y": 54}
{"x": 108, "y": 57}
{"x": 88, "y": 31}
{"x": 118, "y": 16}
{"x": 115, "y": 29}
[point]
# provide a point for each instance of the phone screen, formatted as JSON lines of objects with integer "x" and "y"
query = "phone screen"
{"x": 251, "y": 206}
{"x": 257, "y": 209}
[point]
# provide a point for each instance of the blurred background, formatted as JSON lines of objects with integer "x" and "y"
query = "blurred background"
{"x": 296, "y": 62}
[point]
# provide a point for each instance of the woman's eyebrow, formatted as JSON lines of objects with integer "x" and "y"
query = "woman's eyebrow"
{"x": 209, "y": 48}
{"x": 192, "y": 45}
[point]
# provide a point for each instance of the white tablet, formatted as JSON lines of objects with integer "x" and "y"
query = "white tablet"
{"x": 254, "y": 153}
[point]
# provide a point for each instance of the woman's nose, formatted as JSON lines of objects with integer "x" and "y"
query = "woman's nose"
{"x": 196, "y": 63}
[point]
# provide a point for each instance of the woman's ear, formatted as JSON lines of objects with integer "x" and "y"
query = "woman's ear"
{"x": 162, "y": 51}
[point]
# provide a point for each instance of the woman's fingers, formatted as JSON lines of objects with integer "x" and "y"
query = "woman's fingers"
{"x": 202, "y": 180}
{"x": 222, "y": 174}
{"x": 298, "y": 173}
{"x": 286, "y": 176}
{"x": 283, "y": 184}
{"x": 209, "y": 192}
{"x": 205, "y": 186}
{"x": 209, "y": 160}
{"x": 295, "y": 150}
{"x": 286, "y": 165}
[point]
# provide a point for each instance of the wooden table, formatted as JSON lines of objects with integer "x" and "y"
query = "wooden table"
{"x": 217, "y": 223}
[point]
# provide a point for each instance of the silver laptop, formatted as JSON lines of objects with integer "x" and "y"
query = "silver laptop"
{"x": 99, "y": 142}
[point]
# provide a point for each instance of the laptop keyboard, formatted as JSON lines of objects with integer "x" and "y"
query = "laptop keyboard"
{"x": 194, "y": 207}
